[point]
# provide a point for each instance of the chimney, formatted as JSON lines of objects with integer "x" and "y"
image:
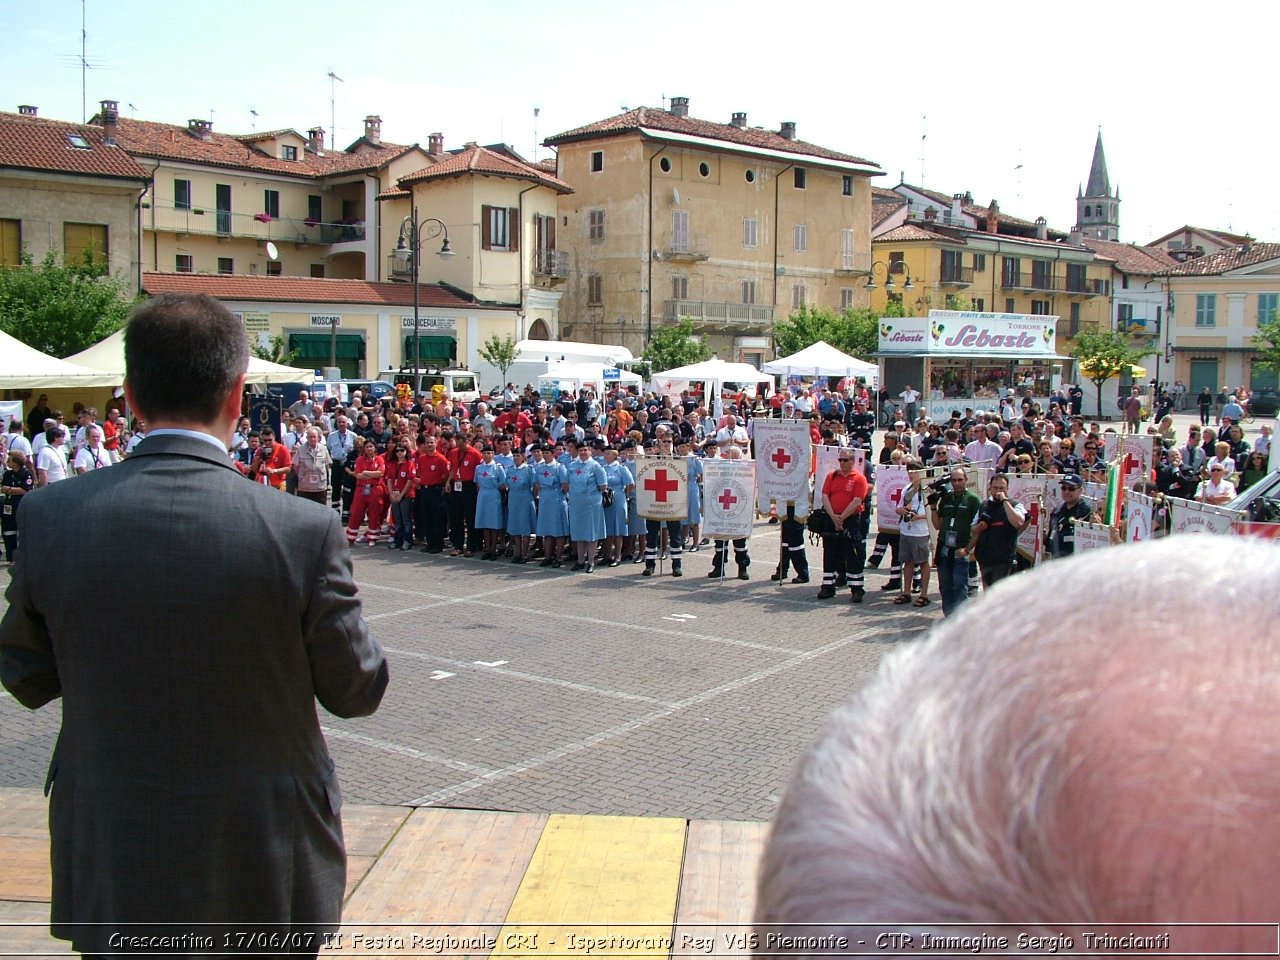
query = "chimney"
{"x": 1076, "y": 237}
{"x": 993, "y": 218}
{"x": 200, "y": 128}
{"x": 315, "y": 140}
{"x": 1042, "y": 228}
{"x": 435, "y": 145}
{"x": 373, "y": 129}
{"x": 739, "y": 120}
{"x": 679, "y": 106}
{"x": 26, "y": 109}
{"x": 109, "y": 114}
{"x": 957, "y": 208}
{"x": 788, "y": 131}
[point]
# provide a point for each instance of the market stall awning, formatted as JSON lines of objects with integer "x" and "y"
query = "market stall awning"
{"x": 106, "y": 357}
{"x": 26, "y": 368}
{"x": 820, "y": 360}
{"x": 1135, "y": 370}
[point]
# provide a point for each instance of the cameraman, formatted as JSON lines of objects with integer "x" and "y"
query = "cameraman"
{"x": 995, "y": 535}
{"x": 953, "y": 516}
{"x": 913, "y": 536}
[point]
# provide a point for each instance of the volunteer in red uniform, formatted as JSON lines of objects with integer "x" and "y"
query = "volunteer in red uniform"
{"x": 462, "y": 493}
{"x": 402, "y": 474}
{"x": 844, "y": 495}
{"x": 369, "y": 496}
{"x": 429, "y": 517}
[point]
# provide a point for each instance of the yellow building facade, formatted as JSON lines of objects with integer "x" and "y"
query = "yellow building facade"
{"x": 727, "y": 225}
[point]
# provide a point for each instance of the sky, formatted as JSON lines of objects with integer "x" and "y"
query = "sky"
{"x": 1003, "y": 99}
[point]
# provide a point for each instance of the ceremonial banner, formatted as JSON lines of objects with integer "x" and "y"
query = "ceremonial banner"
{"x": 1092, "y": 536}
{"x": 1250, "y": 528}
{"x": 891, "y": 480}
{"x": 9, "y": 410}
{"x": 1135, "y": 451}
{"x": 1190, "y": 516}
{"x": 1096, "y": 494}
{"x": 782, "y": 452}
{"x": 727, "y": 487}
{"x": 1140, "y": 518}
{"x": 1028, "y": 489}
{"x": 662, "y": 485}
{"x": 825, "y": 463}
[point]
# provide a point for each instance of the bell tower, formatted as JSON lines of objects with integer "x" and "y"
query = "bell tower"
{"x": 1097, "y": 209}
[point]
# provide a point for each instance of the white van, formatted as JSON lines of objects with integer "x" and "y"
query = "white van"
{"x": 459, "y": 384}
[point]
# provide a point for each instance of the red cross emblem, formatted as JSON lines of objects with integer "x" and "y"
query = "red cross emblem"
{"x": 660, "y": 485}
{"x": 727, "y": 499}
{"x": 780, "y": 458}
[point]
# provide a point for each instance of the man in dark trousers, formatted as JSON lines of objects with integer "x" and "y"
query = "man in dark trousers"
{"x": 190, "y": 783}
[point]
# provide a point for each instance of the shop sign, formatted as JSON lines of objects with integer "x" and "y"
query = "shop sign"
{"x": 968, "y": 333}
{"x": 429, "y": 323}
{"x": 325, "y": 320}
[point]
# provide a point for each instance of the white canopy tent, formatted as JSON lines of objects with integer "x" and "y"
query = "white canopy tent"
{"x": 107, "y": 357}
{"x": 713, "y": 371}
{"x": 25, "y": 368}
{"x": 822, "y": 360}
{"x": 588, "y": 373}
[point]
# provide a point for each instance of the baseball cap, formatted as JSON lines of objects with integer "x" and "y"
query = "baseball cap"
{"x": 1072, "y": 480}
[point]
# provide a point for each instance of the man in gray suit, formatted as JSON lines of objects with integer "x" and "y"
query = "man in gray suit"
{"x": 191, "y": 791}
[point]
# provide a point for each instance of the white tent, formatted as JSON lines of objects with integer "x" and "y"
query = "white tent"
{"x": 588, "y": 373}
{"x": 107, "y": 357}
{"x": 713, "y": 371}
{"x": 25, "y": 368}
{"x": 821, "y": 360}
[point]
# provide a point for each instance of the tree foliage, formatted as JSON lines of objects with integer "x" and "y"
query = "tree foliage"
{"x": 274, "y": 352}
{"x": 675, "y": 346}
{"x": 854, "y": 331}
{"x": 61, "y": 308}
{"x": 1103, "y": 354}
{"x": 1267, "y": 343}
{"x": 499, "y": 351}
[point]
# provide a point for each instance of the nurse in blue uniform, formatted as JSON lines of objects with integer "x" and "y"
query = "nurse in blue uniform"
{"x": 522, "y": 517}
{"x": 633, "y": 546}
{"x": 490, "y": 479}
{"x": 585, "y": 487}
{"x": 549, "y": 479}
{"x": 693, "y": 522}
{"x": 618, "y": 479}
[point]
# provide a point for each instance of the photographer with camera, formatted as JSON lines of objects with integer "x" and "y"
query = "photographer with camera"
{"x": 913, "y": 536}
{"x": 995, "y": 536}
{"x": 953, "y": 515}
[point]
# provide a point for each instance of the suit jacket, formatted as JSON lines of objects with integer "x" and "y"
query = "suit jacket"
{"x": 190, "y": 781}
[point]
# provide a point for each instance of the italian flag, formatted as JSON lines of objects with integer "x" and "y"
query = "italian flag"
{"x": 1115, "y": 490}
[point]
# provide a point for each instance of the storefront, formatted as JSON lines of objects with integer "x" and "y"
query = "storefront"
{"x": 957, "y": 359}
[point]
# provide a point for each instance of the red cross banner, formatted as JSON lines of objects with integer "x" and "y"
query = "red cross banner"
{"x": 782, "y": 458}
{"x": 827, "y": 462}
{"x": 891, "y": 480}
{"x": 662, "y": 488}
{"x": 728, "y": 504}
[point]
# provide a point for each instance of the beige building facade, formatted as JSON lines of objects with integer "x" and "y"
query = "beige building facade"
{"x": 727, "y": 225}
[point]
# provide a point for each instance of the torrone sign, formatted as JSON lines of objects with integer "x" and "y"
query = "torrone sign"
{"x": 962, "y": 332}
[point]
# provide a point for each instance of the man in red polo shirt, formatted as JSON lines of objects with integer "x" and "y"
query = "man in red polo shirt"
{"x": 513, "y": 414}
{"x": 431, "y": 520}
{"x": 844, "y": 496}
{"x": 463, "y": 460}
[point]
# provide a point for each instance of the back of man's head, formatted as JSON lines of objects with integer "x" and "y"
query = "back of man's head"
{"x": 182, "y": 357}
{"x": 1100, "y": 755}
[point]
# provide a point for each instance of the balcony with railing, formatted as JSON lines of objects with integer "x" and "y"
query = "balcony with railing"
{"x": 204, "y": 221}
{"x": 551, "y": 266}
{"x": 688, "y": 248}
{"x": 718, "y": 311}
{"x": 1030, "y": 280}
{"x": 1088, "y": 287}
{"x": 953, "y": 276}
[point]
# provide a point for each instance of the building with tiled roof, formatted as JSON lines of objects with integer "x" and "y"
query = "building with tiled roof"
{"x": 367, "y": 324}
{"x": 1217, "y": 302}
{"x": 67, "y": 189}
{"x": 1188, "y": 242}
{"x": 729, "y": 225}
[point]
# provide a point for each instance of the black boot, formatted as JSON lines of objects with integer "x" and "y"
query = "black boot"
{"x": 742, "y": 572}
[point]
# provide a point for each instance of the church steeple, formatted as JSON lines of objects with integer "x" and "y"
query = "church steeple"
{"x": 1098, "y": 210}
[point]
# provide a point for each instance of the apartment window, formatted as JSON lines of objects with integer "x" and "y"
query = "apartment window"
{"x": 800, "y": 237}
{"x": 595, "y": 225}
{"x": 846, "y": 298}
{"x": 1011, "y": 273}
{"x": 679, "y": 288}
{"x": 1075, "y": 316}
{"x": 315, "y": 209}
{"x": 10, "y": 243}
{"x": 1040, "y": 308}
{"x": 979, "y": 262}
{"x": 226, "y": 265}
{"x": 1042, "y": 274}
{"x": 1010, "y": 305}
{"x": 680, "y": 231}
{"x": 897, "y": 261}
{"x": 665, "y": 164}
{"x": 1268, "y": 305}
{"x": 750, "y": 232}
{"x": 1124, "y": 315}
{"x": 979, "y": 304}
{"x": 499, "y": 228}
{"x": 704, "y": 169}
{"x": 182, "y": 194}
{"x": 1206, "y": 309}
{"x": 748, "y": 291}
{"x": 288, "y": 152}
{"x": 846, "y": 185}
{"x": 85, "y": 243}
{"x": 798, "y": 296}
{"x": 271, "y": 203}
{"x": 595, "y": 289}
{"x": 1075, "y": 277}
{"x": 184, "y": 263}
{"x": 799, "y": 174}
{"x": 317, "y": 271}
{"x": 951, "y": 266}
{"x": 846, "y": 249}
{"x": 275, "y": 268}
{"x": 597, "y": 161}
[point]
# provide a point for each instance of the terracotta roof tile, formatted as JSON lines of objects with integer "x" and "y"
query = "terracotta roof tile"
{"x": 1221, "y": 235}
{"x": 944, "y": 201}
{"x": 482, "y": 160}
{"x": 34, "y": 143}
{"x": 304, "y": 290}
{"x": 655, "y": 119}
{"x": 882, "y": 208}
{"x": 911, "y": 231}
{"x": 1130, "y": 257}
{"x": 267, "y": 134}
{"x": 1225, "y": 261}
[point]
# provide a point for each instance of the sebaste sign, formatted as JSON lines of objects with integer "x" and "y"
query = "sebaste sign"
{"x": 964, "y": 332}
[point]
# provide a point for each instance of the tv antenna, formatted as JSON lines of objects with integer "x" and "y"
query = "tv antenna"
{"x": 333, "y": 113}
{"x": 536, "y": 111}
{"x": 924, "y": 135}
{"x": 84, "y": 62}
{"x": 254, "y": 122}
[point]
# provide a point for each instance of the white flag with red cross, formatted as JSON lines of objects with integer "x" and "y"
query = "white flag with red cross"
{"x": 783, "y": 459}
{"x": 662, "y": 488}
{"x": 729, "y": 508}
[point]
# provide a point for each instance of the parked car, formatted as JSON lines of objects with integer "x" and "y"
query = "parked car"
{"x": 1261, "y": 502}
{"x": 1264, "y": 403}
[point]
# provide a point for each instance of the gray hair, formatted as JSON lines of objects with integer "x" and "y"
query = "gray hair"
{"x": 1065, "y": 749}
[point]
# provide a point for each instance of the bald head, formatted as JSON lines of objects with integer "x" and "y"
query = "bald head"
{"x": 1034, "y": 761}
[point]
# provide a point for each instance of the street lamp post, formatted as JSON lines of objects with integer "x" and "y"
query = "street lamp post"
{"x": 888, "y": 269}
{"x": 409, "y": 249}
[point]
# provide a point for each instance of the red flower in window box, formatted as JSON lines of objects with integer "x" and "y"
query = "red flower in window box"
{"x": 311, "y": 221}
{"x": 262, "y": 217}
